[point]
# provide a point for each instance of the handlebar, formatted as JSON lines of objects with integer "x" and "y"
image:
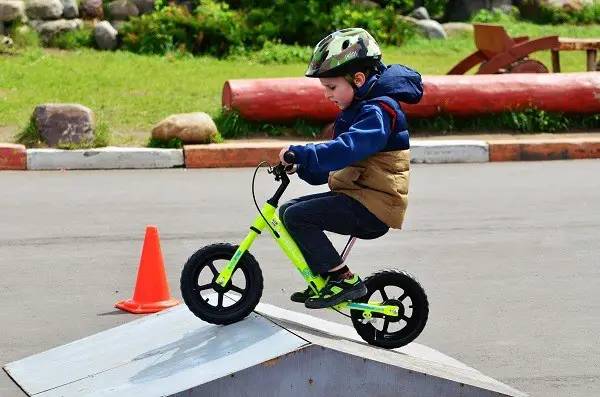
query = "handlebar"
{"x": 280, "y": 172}
{"x": 289, "y": 157}
{"x": 280, "y": 175}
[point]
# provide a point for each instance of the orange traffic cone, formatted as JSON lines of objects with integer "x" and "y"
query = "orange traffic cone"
{"x": 151, "y": 293}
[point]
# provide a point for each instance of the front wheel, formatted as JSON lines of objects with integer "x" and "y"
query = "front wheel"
{"x": 211, "y": 302}
{"x": 398, "y": 288}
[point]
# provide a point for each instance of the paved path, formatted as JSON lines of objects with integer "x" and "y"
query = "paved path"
{"x": 508, "y": 253}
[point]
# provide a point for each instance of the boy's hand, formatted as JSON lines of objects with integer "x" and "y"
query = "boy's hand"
{"x": 291, "y": 169}
{"x": 281, "y": 153}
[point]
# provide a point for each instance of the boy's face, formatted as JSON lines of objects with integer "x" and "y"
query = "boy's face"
{"x": 339, "y": 91}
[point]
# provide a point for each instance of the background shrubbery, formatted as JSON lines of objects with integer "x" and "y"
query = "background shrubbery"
{"x": 285, "y": 31}
{"x": 218, "y": 29}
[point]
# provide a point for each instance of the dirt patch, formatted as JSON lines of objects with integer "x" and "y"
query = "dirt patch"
{"x": 7, "y": 133}
{"x": 57, "y": 52}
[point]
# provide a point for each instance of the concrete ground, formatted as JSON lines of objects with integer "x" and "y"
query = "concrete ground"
{"x": 506, "y": 251}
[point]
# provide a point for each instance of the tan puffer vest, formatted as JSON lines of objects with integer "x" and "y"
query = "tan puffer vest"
{"x": 379, "y": 182}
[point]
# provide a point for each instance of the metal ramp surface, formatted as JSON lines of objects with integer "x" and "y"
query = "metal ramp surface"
{"x": 273, "y": 352}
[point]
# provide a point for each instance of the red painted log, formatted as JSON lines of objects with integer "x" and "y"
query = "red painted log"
{"x": 289, "y": 99}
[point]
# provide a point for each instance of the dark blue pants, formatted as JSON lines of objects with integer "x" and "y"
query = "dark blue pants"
{"x": 307, "y": 217}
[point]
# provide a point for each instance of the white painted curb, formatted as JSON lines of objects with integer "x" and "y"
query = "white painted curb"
{"x": 103, "y": 158}
{"x": 449, "y": 151}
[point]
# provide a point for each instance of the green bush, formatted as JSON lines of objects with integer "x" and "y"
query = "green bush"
{"x": 496, "y": 16}
{"x": 220, "y": 28}
{"x": 273, "y": 52}
{"x": 162, "y": 31}
{"x": 547, "y": 15}
{"x": 302, "y": 22}
{"x": 436, "y": 8}
{"x": 526, "y": 122}
{"x": 173, "y": 143}
{"x": 307, "y": 22}
{"x": 216, "y": 29}
{"x": 381, "y": 23}
{"x": 213, "y": 30}
{"x": 231, "y": 125}
{"x": 30, "y": 137}
{"x": 72, "y": 40}
{"x": 23, "y": 36}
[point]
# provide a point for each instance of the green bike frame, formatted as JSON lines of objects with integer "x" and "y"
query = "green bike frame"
{"x": 289, "y": 246}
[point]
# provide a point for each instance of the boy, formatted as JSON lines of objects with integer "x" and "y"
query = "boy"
{"x": 366, "y": 164}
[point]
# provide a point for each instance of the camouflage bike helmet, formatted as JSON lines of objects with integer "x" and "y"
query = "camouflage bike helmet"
{"x": 343, "y": 52}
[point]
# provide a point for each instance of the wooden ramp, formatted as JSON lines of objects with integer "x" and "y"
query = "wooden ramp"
{"x": 273, "y": 352}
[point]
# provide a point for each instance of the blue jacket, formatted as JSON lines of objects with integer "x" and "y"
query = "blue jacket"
{"x": 374, "y": 122}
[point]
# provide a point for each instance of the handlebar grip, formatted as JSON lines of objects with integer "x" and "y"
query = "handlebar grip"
{"x": 289, "y": 157}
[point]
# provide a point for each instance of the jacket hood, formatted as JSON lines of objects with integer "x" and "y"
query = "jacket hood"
{"x": 396, "y": 81}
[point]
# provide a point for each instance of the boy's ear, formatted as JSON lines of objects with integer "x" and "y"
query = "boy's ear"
{"x": 359, "y": 79}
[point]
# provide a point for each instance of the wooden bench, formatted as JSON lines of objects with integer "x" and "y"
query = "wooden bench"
{"x": 591, "y": 46}
{"x": 497, "y": 52}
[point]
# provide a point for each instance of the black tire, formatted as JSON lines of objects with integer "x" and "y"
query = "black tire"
{"x": 191, "y": 291}
{"x": 414, "y": 324}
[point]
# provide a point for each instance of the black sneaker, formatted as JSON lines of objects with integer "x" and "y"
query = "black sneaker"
{"x": 302, "y": 296}
{"x": 336, "y": 292}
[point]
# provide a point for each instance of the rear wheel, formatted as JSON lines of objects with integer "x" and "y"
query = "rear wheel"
{"x": 398, "y": 288}
{"x": 211, "y": 302}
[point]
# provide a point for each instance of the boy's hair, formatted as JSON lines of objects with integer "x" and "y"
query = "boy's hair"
{"x": 367, "y": 68}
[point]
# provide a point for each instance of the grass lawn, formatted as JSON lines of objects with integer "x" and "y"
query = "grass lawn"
{"x": 131, "y": 93}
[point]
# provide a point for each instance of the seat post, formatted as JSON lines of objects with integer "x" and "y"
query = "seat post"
{"x": 348, "y": 247}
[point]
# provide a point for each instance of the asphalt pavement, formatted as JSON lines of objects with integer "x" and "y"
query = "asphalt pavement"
{"x": 507, "y": 252}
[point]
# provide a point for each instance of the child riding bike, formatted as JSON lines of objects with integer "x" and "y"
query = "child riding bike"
{"x": 366, "y": 164}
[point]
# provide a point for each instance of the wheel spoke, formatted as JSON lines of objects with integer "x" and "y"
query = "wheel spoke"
{"x": 386, "y": 323}
{"x": 213, "y": 269}
{"x": 237, "y": 289}
{"x": 403, "y": 296}
{"x": 409, "y": 320}
{"x": 383, "y": 294}
{"x": 205, "y": 286}
{"x": 220, "y": 301}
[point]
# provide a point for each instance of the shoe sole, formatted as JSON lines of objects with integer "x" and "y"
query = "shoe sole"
{"x": 351, "y": 295}
{"x": 298, "y": 300}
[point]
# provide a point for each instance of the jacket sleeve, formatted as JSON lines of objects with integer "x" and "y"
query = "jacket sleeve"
{"x": 313, "y": 178}
{"x": 366, "y": 136}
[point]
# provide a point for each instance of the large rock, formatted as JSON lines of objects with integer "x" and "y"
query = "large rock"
{"x": 189, "y": 127}
{"x": 407, "y": 19}
{"x": 530, "y": 9}
{"x": 105, "y": 35}
{"x": 70, "y": 9}
{"x": 462, "y": 10}
{"x": 567, "y": 5}
{"x": 122, "y": 10}
{"x": 64, "y": 123}
{"x": 431, "y": 29}
{"x": 91, "y": 9}
{"x": 144, "y": 6}
{"x": 6, "y": 43}
{"x": 420, "y": 13}
{"x": 11, "y": 10}
{"x": 2, "y": 28}
{"x": 44, "y": 9}
{"x": 365, "y": 4}
{"x": 118, "y": 24}
{"x": 457, "y": 28}
{"x": 49, "y": 29}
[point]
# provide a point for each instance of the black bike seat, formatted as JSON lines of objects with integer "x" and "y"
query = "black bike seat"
{"x": 372, "y": 235}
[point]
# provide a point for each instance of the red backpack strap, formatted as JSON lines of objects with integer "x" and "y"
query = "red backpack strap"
{"x": 391, "y": 112}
